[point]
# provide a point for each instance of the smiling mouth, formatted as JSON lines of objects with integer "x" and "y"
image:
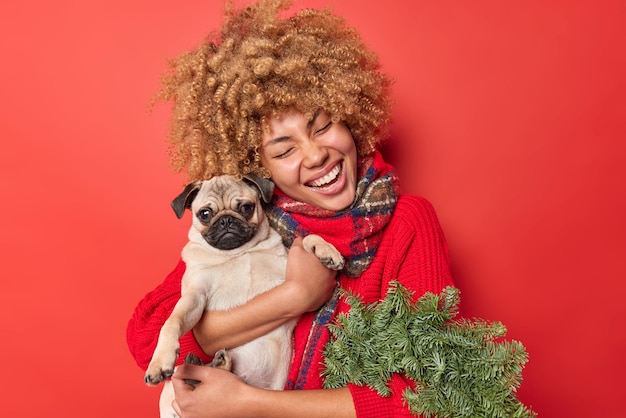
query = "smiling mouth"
{"x": 328, "y": 180}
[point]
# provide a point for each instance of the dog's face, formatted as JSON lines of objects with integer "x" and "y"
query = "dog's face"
{"x": 227, "y": 213}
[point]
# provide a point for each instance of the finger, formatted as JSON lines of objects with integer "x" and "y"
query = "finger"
{"x": 181, "y": 388}
{"x": 183, "y": 384}
{"x": 297, "y": 241}
{"x": 190, "y": 371}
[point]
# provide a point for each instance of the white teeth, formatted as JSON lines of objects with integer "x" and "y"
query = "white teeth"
{"x": 327, "y": 178}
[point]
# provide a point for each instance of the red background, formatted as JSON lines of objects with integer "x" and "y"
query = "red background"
{"x": 509, "y": 119}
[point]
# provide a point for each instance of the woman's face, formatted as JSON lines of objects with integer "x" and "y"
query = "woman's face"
{"x": 311, "y": 161}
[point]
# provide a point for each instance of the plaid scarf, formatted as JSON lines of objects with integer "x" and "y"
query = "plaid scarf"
{"x": 355, "y": 231}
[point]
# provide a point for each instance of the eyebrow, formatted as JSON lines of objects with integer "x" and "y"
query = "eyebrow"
{"x": 275, "y": 141}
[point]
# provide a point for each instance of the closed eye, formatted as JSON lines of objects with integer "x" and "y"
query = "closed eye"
{"x": 284, "y": 154}
{"x": 324, "y": 128}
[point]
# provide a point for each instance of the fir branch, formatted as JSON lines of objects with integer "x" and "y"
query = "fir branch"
{"x": 461, "y": 367}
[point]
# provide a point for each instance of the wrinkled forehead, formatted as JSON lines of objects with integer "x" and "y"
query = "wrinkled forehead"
{"x": 223, "y": 192}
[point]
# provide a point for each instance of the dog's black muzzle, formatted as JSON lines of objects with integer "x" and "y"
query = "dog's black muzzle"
{"x": 228, "y": 232}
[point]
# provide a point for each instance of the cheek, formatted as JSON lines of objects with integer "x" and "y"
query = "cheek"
{"x": 342, "y": 140}
{"x": 284, "y": 178}
{"x": 284, "y": 171}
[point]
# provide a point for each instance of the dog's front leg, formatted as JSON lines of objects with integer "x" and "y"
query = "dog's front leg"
{"x": 185, "y": 315}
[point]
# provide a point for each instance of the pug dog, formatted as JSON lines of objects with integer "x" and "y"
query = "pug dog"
{"x": 232, "y": 255}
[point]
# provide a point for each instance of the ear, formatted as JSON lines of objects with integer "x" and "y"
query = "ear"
{"x": 265, "y": 187}
{"x": 183, "y": 200}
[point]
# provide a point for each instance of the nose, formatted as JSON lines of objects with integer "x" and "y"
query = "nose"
{"x": 225, "y": 221}
{"x": 315, "y": 154}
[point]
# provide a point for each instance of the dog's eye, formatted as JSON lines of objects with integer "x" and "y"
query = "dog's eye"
{"x": 246, "y": 209}
{"x": 205, "y": 215}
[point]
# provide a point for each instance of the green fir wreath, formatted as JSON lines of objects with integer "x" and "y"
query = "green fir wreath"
{"x": 462, "y": 368}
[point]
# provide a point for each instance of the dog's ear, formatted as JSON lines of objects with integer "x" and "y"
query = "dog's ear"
{"x": 265, "y": 187}
{"x": 183, "y": 200}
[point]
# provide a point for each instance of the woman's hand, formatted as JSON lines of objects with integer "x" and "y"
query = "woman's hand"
{"x": 309, "y": 282}
{"x": 219, "y": 393}
{"x": 222, "y": 394}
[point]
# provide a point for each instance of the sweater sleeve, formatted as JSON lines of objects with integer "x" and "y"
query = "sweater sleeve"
{"x": 420, "y": 253}
{"x": 416, "y": 255}
{"x": 149, "y": 316}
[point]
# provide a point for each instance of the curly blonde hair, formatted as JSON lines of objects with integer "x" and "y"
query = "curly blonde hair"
{"x": 259, "y": 66}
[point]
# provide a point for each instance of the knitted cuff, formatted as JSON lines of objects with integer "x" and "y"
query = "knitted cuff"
{"x": 368, "y": 403}
{"x": 188, "y": 344}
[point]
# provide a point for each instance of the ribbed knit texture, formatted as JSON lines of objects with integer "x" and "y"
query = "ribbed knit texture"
{"x": 413, "y": 251}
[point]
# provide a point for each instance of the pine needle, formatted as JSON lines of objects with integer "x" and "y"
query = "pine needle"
{"x": 462, "y": 368}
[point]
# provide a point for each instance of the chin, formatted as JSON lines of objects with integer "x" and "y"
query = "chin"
{"x": 336, "y": 203}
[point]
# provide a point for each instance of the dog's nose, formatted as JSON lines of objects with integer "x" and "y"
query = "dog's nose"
{"x": 225, "y": 221}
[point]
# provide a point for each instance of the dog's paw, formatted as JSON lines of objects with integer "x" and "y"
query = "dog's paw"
{"x": 222, "y": 360}
{"x": 160, "y": 368}
{"x": 158, "y": 376}
{"x": 325, "y": 251}
{"x": 193, "y": 359}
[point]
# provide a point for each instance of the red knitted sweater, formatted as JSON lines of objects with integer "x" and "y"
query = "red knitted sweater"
{"x": 413, "y": 251}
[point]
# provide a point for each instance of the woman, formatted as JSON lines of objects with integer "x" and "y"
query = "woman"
{"x": 299, "y": 100}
